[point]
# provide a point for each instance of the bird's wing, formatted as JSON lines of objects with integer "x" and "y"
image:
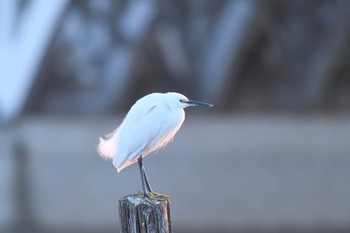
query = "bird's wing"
{"x": 107, "y": 146}
{"x": 141, "y": 126}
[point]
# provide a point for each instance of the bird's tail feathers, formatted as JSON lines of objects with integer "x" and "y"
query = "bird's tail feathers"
{"x": 121, "y": 165}
{"x": 107, "y": 147}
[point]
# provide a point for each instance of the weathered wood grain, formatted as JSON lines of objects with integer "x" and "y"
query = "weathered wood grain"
{"x": 140, "y": 215}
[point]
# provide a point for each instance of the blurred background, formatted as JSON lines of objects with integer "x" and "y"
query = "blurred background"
{"x": 272, "y": 156}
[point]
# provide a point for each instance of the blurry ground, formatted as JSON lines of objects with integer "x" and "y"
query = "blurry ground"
{"x": 226, "y": 172}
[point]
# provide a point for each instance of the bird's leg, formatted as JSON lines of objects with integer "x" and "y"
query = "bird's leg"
{"x": 139, "y": 160}
{"x": 148, "y": 186}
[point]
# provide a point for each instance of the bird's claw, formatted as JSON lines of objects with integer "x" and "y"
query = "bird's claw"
{"x": 153, "y": 195}
{"x": 142, "y": 194}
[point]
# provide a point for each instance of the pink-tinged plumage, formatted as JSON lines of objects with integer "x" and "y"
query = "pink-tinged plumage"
{"x": 150, "y": 124}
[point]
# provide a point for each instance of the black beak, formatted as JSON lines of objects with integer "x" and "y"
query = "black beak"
{"x": 199, "y": 103}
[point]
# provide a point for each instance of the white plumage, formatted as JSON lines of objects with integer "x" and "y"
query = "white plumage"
{"x": 149, "y": 125}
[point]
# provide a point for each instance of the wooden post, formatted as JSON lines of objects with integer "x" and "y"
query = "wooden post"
{"x": 140, "y": 215}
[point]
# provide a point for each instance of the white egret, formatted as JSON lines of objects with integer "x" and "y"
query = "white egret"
{"x": 149, "y": 125}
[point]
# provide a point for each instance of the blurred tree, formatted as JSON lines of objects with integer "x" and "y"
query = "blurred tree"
{"x": 25, "y": 34}
{"x": 241, "y": 54}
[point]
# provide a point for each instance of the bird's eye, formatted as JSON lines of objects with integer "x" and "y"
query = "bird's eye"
{"x": 183, "y": 101}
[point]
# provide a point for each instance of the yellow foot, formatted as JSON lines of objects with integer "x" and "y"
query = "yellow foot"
{"x": 155, "y": 195}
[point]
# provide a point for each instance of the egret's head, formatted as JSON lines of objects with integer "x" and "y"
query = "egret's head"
{"x": 177, "y": 100}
